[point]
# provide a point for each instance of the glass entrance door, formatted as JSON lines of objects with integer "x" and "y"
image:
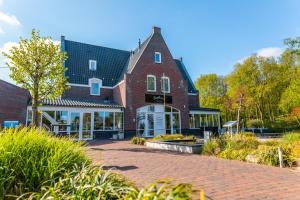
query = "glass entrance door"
{"x": 87, "y": 132}
{"x": 155, "y": 120}
{"x": 75, "y": 122}
{"x": 168, "y": 123}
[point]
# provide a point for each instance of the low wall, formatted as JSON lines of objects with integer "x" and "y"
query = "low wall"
{"x": 171, "y": 146}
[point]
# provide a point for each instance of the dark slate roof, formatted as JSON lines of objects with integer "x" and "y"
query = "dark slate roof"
{"x": 186, "y": 76}
{"x": 79, "y": 103}
{"x": 110, "y": 63}
{"x": 204, "y": 109}
{"x": 135, "y": 55}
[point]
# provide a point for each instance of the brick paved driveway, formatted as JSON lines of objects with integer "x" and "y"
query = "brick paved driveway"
{"x": 220, "y": 179}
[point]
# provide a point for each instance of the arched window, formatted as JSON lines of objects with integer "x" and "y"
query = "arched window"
{"x": 151, "y": 83}
{"x": 165, "y": 84}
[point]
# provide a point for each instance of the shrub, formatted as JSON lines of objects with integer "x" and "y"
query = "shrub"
{"x": 232, "y": 154}
{"x": 272, "y": 143}
{"x": 254, "y": 123}
{"x": 296, "y": 149}
{"x": 138, "y": 140}
{"x": 242, "y": 141}
{"x": 30, "y": 157}
{"x": 268, "y": 155}
{"x": 211, "y": 148}
{"x": 173, "y": 137}
{"x": 291, "y": 137}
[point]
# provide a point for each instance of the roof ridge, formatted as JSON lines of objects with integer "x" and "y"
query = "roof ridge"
{"x": 98, "y": 46}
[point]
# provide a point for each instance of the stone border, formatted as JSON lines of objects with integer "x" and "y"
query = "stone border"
{"x": 175, "y": 146}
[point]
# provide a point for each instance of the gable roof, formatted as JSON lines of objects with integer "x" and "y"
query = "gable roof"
{"x": 186, "y": 76}
{"x": 136, "y": 54}
{"x": 110, "y": 63}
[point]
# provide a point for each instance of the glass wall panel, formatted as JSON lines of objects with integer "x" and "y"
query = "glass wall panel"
{"x": 150, "y": 118}
{"x": 197, "y": 120}
{"x": 86, "y": 125}
{"x": 191, "y": 120}
{"x": 62, "y": 118}
{"x": 176, "y": 125}
{"x": 75, "y": 121}
{"x": 118, "y": 120}
{"x": 51, "y": 113}
{"x": 203, "y": 120}
{"x": 98, "y": 120}
{"x": 141, "y": 121}
{"x": 109, "y": 120}
{"x": 215, "y": 120}
{"x": 210, "y": 120}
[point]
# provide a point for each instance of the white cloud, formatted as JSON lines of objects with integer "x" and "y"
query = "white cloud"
{"x": 1, "y": 31}
{"x": 5, "y": 48}
{"x": 9, "y": 19}
{"x": 4, "y": 72}
{"x": 270, "y": 52}
{"x": 266, "y": 53}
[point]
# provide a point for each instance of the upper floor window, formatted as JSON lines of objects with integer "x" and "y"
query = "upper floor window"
{"x": 165, "y": 84}
{"x": 93, "y": 65}
{"x": 157, "y": 57}
{"x": 95, "y": 85}
{"x": 151, "y": 83}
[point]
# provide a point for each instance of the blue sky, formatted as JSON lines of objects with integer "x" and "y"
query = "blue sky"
{"x": 211, "y": 36}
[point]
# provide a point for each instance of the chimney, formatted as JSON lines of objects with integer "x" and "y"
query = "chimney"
{"x": 62, "y": 42}
{"x": 180, "y": 59}
{"x": 156, "y": 29}
{"x": 139, "y": 43}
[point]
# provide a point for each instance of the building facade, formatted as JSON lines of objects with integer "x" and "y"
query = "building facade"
{"x": 145, "y": 91}
{"x": 13, "y": 103}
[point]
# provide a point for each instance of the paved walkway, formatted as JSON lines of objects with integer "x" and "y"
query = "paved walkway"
{"x": 220, "y": 179}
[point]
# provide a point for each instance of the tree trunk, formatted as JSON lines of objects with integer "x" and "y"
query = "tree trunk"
{"x": 238, "y": 114}
{"x": 35, "y": 119}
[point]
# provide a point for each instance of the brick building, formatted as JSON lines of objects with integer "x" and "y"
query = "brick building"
{"x": 145, "y": 91}
{"x": 13, "y": 103}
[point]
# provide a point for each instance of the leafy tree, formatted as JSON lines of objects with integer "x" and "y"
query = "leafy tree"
{"x": 212, "y": 92}
{"x": 36, "y": 64}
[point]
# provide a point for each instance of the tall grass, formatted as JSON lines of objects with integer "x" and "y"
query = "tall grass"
{"x": 84, "y": 183}
{"x": 30, "y": 158}
{"x": 291, "y": 137}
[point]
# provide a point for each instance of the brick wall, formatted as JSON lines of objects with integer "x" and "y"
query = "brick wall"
{"x": 13, "y": 103}
{"x": 136, "y": 82}
{"x": 119, "y": 93}
{"x": 84, "y": 93}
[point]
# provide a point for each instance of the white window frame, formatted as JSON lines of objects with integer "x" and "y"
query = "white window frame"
{"x": 90, "y": 65}
{"x": 157, "y": 53}
{"x": 151, "y": 76}
{"x": 162, "y": 84}
{"x": 95, "y": 80}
